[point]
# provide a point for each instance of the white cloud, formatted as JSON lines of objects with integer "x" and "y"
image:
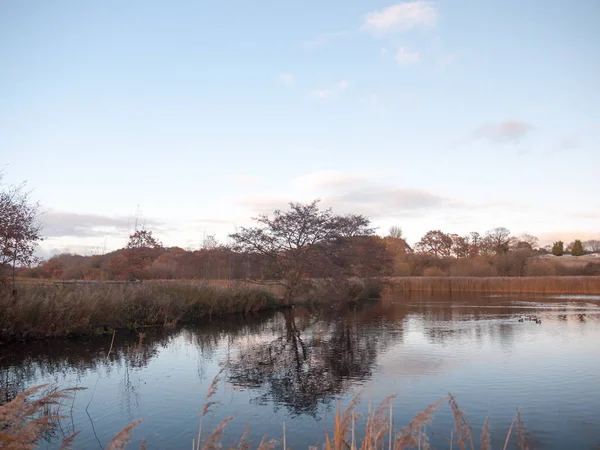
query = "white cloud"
{"x": 287, "y": 79}
{"x": 446, "y": 60}
{"x": 402, "y": 16}
{"x": 347, "y": 193}
{"x": 405, "y": 57}
{"x": 342, "y": 85}
{"x": 510, "y": 131}
{"x": 320, "y": 93}
{"x": 326, "y": 93}
{"x": 69, "y": 224}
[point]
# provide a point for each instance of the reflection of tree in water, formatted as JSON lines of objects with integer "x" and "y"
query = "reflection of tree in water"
{"x": 309, "y": 361}
{"x": 22, "y": 365}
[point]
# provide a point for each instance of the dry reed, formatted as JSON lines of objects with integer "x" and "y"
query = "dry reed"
{"x": 31, "y": 414}
{"x": 498, "y": 285}
{"x": 46, "y": 310}
{"x": 24, "y": 420}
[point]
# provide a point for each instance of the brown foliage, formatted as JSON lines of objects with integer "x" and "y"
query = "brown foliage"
{"x": 19, "y": 227}
{"x": 303, "y": 238}
{"x": 475, "y": 267}
{"x": 436, "y": 243}
{"x": 25, "y": 419}
{"x": 46, "y": 310}
{"x": 434, "y": 272}
{"x": 512, "y": 285}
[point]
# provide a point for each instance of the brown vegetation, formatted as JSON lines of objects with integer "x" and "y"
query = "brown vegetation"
{"x": 25, "y": 420}
{"x": 489, "y": 285}
{"x": 48, "y": 310}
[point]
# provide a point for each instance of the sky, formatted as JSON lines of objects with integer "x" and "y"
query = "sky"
{"x": 198, "y": 115}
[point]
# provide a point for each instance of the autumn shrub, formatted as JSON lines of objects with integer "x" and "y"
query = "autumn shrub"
{"x": 417, "y": 263}
{"x": 48, "y": 310}
{"x": 512, "y": 264}
{"x": 341, "y": 290}
{"x": 401, "y": 269}
{"x": 434, "y": 272}
{"x": 540, "y": 268}
{"x": 73, "y": 273}
{"x": 473, "y": 267}
{"x": 589, "y": 269}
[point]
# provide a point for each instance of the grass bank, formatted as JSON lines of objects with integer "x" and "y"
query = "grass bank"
{"x": 56, "y": 310}
{"x": 36, "y": 413}
{"x": 494, "y": 285}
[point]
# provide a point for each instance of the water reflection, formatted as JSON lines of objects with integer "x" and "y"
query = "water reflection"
{"x": 295, "y": 364}
{"x": 308, "y": 360}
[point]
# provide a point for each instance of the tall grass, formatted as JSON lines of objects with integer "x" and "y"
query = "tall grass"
{"x": 46, "y": 310}
{"x": 499, "y": 285}
{"x": 25, "y": 420}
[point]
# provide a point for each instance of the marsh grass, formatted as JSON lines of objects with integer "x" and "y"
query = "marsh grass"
{"x": 33, "y": 415}
{"x": 497, "y": 285}
{"x": 25, "y": 420}
{"x": 48, "y": 310}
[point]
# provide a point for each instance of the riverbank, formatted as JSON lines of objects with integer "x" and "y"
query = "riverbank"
{"x": 584, "y": 285}
{"x": 51, "y": 309}
{"x": 60, "y": 310}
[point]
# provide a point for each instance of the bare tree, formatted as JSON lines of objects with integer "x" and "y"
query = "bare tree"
{"x": 524, "y": 242}
{"x": 296, "y": 240}
{"x": 498, "y": 240}
{"x": 209, "y": 242}
{"x": 396, "y": 232}
{"x": 592, "y": 245}
{"x": 20, "y": 228}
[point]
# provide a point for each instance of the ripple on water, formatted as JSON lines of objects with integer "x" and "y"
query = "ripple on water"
{"x": 294, "y": 366}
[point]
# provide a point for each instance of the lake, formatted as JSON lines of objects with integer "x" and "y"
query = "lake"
{"x": 295, "y": 365}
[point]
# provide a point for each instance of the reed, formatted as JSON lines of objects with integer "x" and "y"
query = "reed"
{"x": 494, "y": 285}
{"x": 48, "y": 310}
{"x": 24, "y": 421}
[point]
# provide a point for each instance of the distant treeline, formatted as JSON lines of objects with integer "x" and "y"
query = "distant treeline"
{"x": 378, "y": 256}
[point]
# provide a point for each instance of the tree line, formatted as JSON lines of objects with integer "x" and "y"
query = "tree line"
{"x": 289, "y": 246}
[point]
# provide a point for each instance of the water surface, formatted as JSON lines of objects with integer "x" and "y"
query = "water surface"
{"x": 294, "y": 366}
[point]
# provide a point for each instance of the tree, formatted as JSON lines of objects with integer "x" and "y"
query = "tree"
{"x": 475, "y": 244}
{"x": 558, "y": 248}
{"x": 19, "y": 229}
{"x": 141, "y": 250}
{"x": 577, "y": 249}
{"x": 209, "y": 242}
{"x": 396, "y": 232}
{"x": 498, "y": 240}
{"x": 460, "y": 246}
{"x": 297, "y": 240}
{"x": 592, "y": 246}
{"x": 525, "y": 242}
{"x": 436, "y": 243}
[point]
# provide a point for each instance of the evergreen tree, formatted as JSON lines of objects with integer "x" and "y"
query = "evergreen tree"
{"x": 577, "y": 249}
{"x": 558, "y": 248}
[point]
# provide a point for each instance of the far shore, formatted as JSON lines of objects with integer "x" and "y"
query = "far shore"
{"x": 59, "y": 308}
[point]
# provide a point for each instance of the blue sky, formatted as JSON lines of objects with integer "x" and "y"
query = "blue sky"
{"x": 453, "y": 115}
